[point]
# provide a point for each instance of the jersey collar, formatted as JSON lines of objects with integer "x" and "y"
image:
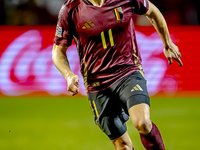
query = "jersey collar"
{"x": 87, "y": 2}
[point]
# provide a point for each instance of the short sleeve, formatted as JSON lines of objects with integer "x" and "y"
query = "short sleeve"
{"x": 64, "y": 31}
{"x": 140, "y": 6}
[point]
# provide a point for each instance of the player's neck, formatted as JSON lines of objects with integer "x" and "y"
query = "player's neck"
{"x": 97, "y": 3}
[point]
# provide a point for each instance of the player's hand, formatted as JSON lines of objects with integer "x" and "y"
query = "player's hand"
{"x": 73, "y": 84}
{"x": 172, "y": 52}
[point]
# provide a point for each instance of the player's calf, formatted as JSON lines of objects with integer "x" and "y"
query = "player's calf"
{"x": 153, "y": 140}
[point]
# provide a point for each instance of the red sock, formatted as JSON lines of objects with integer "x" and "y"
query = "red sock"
{"x": 153, "y": 140}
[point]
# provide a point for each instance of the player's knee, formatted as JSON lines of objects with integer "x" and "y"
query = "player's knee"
{"x": 144, "y": 126}
{"x": 123, "y": 146}
{"x": 123, "y": 143}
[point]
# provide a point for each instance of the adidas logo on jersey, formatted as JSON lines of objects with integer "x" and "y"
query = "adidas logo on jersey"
{"x": 136, "y": 88}
{"x": 88, "y": 25}
{"x": 95, "y": 84}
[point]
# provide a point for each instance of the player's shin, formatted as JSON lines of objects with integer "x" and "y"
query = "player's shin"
{"x": 153, "y": 140}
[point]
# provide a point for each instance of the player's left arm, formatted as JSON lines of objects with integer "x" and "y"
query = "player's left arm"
{"x": 171, "y": 51}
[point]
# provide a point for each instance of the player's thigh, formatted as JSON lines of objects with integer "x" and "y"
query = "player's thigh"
{"x": 134, "y": 94}
{"x": 122, "y": 142}
{"x": 108, "y": 114}
{"x": 133, "y": 90}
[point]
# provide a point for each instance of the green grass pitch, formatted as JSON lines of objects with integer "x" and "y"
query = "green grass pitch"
{"x": 66, "y": 123}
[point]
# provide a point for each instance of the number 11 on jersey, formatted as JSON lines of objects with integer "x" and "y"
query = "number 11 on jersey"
{"x": 104, "y": 40}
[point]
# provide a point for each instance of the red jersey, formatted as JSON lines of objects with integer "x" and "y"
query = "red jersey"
{"x": 105, "y": 39}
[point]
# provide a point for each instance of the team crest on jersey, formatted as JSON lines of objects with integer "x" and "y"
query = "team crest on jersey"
{"x": 59, "y": 31}
{"x": 118, "y": 13}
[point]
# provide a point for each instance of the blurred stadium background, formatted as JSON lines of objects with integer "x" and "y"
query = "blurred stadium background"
{"x": 36, "y": 112}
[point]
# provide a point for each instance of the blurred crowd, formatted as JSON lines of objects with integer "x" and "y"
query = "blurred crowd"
{"x": 29, "y": 12}
{"x": 45, "y": 12}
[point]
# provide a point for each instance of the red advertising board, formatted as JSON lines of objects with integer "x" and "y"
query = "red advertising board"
{"x": 26, "y": 66}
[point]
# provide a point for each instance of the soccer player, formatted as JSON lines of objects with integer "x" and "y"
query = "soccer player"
{"x": 103, "y": 31}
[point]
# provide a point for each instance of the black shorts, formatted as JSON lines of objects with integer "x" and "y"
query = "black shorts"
{"x": 110, "y": 107}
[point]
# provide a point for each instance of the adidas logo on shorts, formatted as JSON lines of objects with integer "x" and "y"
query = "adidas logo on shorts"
{"x": 136, "y": 88}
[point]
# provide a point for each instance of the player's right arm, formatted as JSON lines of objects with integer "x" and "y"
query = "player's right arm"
{"x": 61, "y": 62}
